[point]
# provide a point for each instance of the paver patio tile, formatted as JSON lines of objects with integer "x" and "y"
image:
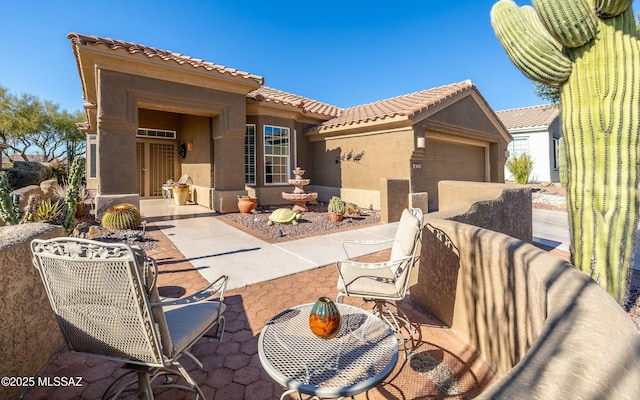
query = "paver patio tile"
{"x": 259, "y": 390}
{"x": 236, "y": 361}
{"x": 220, "y": 378}
{"x": 231, "y": 368}
{"x": 233, "y": 391}
{"x": 246, "y": 375}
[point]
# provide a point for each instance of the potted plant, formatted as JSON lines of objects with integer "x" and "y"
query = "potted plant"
{"x": 336, "y": 209}
{"x": 246, "y": 204}
{"x": 180, "y": 193}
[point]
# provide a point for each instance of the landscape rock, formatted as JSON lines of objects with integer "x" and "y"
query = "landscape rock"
{"x": 25, "y": 173}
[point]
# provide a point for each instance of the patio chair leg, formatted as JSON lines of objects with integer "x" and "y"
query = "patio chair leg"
{"x": 395, "y": 320}
{"x": 140, "y": 384}
{"x": 217, "y": 330}
{"x": 145, "y": 376}
{"x": 144, "y": 386}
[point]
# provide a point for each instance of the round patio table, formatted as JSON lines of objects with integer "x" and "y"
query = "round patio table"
{"x": 363, "y": 352}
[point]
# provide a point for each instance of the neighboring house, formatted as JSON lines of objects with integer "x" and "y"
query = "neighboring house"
{"x": 535, "y": 130}
{"x": 155, "y": 115}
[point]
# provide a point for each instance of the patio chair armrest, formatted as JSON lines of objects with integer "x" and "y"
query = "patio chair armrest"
{"x": 218, "y": 286}
{"x": 364, "y": 266}
{"x": 375, "y": 265}
{"x": 362, "y": 243}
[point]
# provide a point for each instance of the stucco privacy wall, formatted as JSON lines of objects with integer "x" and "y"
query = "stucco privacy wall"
{"x": 549, "y": 328}
{"x": 496, "y": 206}
{"x": 29, "y": 334}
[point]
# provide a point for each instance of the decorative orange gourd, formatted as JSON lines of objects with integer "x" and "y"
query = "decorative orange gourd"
{"x": 324, "y": 319}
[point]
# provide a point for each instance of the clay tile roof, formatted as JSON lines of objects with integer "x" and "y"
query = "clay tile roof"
{"x": 542, "y": 115}
{"x": 134, "y": 48}
{"x": 406, "y": 105}
{"x": 267, "y": 94}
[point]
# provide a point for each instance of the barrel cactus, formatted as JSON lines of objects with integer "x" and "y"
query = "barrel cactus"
{"x": 122, "y": 217}
{"x": 589, "y": 49}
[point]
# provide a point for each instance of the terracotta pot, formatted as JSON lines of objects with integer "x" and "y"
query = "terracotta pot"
{"x": 79, "y": 210}
{"x": 246, "y": 205}
{"x": 335, "y": 217}
{"x": 324, "y": 319}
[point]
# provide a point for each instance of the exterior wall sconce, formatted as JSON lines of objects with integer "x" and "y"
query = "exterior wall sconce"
{"x": 421, "y": 142}
{"x": 190, "y": 146}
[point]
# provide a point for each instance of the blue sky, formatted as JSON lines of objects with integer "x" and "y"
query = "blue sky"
{"x": 344, "y": 52}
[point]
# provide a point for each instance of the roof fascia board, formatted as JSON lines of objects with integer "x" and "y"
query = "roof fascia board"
{"x": 397, "y": 121}
{"x": 529, "y": 129}
{"x": 316, "y": 137}
{"x": 96, "y": 58}
{"x": 437, "y": 126}
{"x": 452, "y": 138}
{"x": 285, "y": 111}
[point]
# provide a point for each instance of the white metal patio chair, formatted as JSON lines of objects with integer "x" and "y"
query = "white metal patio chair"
{"x": 107, "y": 305}
{"x": 383, "y": 283}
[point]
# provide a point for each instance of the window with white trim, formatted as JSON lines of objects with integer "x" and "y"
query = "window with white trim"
{"x": 276, "y": 154}
{"x": 156, "y": 133}
{"x": 556, "y": 152}
{"x": 92, "y": 156}
{"x": 250, "y": 155}
{"x": 519, "y": 146}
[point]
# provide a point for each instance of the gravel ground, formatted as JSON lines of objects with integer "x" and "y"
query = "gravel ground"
{"x": 314, "y": 221}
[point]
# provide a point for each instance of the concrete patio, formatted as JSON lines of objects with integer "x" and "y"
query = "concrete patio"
{"x": 231, "y": 368}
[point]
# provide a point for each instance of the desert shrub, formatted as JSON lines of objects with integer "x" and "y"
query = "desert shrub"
{"x": 520, "y": 167}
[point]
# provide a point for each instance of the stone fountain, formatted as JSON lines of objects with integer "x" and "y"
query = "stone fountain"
{"x": 299, "y": 197}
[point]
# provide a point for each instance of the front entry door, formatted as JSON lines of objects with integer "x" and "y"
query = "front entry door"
{"x": 156, "y": 163}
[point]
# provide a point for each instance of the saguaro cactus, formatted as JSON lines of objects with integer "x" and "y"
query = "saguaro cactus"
{"x": 590, "y": 50}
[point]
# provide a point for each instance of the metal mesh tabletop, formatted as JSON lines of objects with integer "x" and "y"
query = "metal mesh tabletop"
{"x": 357, "y": 358}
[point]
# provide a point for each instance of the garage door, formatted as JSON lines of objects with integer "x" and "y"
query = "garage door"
{"x": 452, "y": 161}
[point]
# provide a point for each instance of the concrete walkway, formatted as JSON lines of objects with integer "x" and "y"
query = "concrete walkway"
{"x": 551, "y": 228}
{"x": 215, "y": 247}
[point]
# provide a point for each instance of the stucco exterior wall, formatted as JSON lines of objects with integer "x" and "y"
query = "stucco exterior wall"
{"x": 555, "y": 130}
{"x": 466, "y": 113}
{"x": 530, "y": 314}
{"x": 198, "y": 162}
{"x": 541, "y": 149}
{"x": 494, "y": 206}
{"x": 384, "y": 154}
{"x": 29, "y": 333}
{"x": 120, "y": 97}
{"x": 540, "y": 142}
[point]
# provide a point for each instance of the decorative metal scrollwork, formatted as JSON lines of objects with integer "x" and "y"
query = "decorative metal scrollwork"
{"x": 444, "y": 238}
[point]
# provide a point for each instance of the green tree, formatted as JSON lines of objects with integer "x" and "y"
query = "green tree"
{"x": 589, "y": 50}
{"x": 20, "y": 116}
{"x": 26, "y": 122}
{"x": 545, "y": 92}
